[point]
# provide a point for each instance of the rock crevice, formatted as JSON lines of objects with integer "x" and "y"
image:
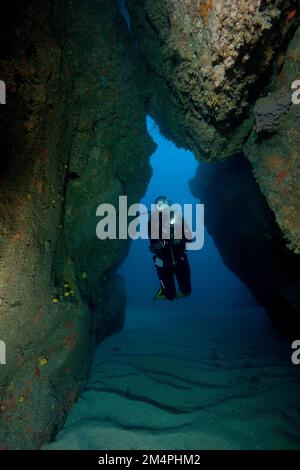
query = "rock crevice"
{"x": 79, "y": 86}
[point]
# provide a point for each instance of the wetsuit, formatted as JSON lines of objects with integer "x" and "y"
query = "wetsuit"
{"x": 169, "y": 257}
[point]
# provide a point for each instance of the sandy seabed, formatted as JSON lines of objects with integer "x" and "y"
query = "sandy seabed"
{"x": 220, "y": 379}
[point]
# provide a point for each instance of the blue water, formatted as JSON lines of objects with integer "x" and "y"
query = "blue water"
{"x": 214, "y": 284}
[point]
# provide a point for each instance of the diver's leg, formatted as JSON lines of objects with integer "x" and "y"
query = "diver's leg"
{"x": 166, "y": 277}
{"x": 183, "y": 274}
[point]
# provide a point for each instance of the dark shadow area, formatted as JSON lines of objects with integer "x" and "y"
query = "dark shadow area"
{"x": 250, "y": 243}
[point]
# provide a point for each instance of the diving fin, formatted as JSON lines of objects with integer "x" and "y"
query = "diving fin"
{"x": 181, "y": 295}
{"x": 160, "y": 295}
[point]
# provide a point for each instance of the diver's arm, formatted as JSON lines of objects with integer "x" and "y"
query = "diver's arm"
{"x": 156, "y": 246}
{"x": 187, "y": 233}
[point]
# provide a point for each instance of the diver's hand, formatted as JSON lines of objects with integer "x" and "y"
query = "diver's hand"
{"x": 157, "y": 247}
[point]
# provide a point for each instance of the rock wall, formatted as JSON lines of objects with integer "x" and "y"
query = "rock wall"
{"x": 273, "y": 147}
{"x": 210, "y": 62}
{"x": 249, "y": 240}
{"x": 73, "y": 136}
{"x": 73, "y": 131}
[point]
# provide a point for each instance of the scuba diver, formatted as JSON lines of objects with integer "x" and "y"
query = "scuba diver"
{"x": 168, "y": 234}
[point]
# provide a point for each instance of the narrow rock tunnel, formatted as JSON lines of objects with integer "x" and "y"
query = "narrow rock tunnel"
{"x": 81, "y": 78}
{"x": 175, "y": 367}
{"x": 173, "y": 169}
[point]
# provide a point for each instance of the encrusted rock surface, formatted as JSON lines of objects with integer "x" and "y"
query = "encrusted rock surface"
{"x": 74, "y": 136}
{"x": 273, "y": 147}
{"x": 267, "y": 112}
{"x": 211, "y": 54}
{"x": 210, "y": 62}
{"x": 249, "y": 240}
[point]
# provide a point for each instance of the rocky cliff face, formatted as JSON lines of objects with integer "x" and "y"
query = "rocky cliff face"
{"x": 214, "y": 59}
{"x": 74, "y": 136}
{"x": 273, "y": 146}
{"x": 249, "y": 240}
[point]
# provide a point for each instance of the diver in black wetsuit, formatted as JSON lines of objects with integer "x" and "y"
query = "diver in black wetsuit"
{"x": 167, "y": 243}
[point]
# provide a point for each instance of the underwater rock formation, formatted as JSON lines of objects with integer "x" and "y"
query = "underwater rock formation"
{"x": 212, "y": 55}
{"x": 210, "y": 61}
{"x": 74, "y": 136}
{"x": 273, "y": 146}
{"x": 251, "y": 245}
